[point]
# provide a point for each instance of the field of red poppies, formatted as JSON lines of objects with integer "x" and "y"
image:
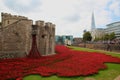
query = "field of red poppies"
{"x": 66, "y": 62}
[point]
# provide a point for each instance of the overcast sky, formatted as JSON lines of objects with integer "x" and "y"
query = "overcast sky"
{"x": 70, "y": 16}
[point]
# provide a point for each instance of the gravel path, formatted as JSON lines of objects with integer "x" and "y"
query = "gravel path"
{"x": 117, "y": 78}
{"x": 89, "y": 79}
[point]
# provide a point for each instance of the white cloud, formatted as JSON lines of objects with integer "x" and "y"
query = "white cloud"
{"x": 24, "y": 2}
{"x": 115, "y": 7}
{"x": 22, "y": 6}
{"x": 70, "y": 16}
{"x": 3, "y": 8}
{"x": 102, "y": 18}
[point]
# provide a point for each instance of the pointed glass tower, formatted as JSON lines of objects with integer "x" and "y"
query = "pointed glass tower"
{"x": 92, "y": 22}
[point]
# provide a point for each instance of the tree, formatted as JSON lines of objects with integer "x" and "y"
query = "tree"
{"x": 97, "y": 39}
{"x": 87, "y": 36}
{"x": 112, "y": 36}
{"x": 106, "y": 37}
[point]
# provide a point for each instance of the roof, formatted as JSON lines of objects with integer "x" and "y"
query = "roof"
{"x": 113, "y": 23}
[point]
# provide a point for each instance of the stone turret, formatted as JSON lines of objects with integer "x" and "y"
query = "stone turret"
{"x": 46, "y": 37}
{"x": 40, "y": 23}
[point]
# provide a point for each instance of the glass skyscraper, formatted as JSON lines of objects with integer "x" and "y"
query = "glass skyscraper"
{"x": 113, "y": 27}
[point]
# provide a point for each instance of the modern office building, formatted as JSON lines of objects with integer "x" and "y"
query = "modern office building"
{"x": 113, "y": 27}
{"x": 64, "y": 39}
{"x": 99, "y": 32}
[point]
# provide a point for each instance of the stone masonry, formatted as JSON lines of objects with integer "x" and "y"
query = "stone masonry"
{"x": 45, "y": 37}
{"x": 15, "y": 36}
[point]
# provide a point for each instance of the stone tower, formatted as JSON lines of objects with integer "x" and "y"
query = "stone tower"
{"x": 16, "y": 39}
{"x": 46, "y": 37}
{"x": 15, "y": 36}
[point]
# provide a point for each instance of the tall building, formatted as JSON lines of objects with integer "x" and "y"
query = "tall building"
{"x": 92, "y": 22}
{"x": 114, "y": 27}
{"x": 93, "y": 32}
{"x": 96, "y": 32}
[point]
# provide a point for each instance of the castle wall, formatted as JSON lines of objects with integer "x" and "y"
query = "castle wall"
{"x": 52, "y": 43}
{"x": 17, "y": 38}
{"x": 45, "y": 37}
{"x": 0, "y": 40}
{"x": 40, "y": 37}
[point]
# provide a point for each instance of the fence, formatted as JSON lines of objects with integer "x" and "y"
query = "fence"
{"x": 102, "y": 46}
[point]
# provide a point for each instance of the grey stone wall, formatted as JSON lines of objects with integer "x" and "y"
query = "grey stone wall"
{"x": 12, "y": 54}
{"x": 46, "y": 37}
{"x": 16, "y": 38}
{"x": 0, "y": 40}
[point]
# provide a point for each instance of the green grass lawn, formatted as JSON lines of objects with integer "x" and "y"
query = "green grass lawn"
{"x": 110, "y": 73}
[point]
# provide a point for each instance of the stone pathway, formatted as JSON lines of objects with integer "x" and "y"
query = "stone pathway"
{"x": 89, "y": 79}
{"x": 117, "y": 78}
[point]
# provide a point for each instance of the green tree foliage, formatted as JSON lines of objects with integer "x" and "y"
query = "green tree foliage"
{"x": 98, "y": 39}
{"x": 112, "y": 36}
{"x": 87, "y": 36}
{"x": 106, "y": 37}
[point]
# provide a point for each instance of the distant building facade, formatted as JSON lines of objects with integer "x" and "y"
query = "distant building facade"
{"x": 113, "y": 27}
{"x": 64, "y": 39}
{"x": 98, "y": 33}
{"x": 77, "y": 40}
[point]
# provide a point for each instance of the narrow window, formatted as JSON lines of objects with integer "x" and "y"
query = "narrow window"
{"x": 8, "y": 22}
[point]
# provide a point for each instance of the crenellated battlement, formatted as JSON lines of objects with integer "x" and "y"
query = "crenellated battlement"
{"x": 48, "y": 24}
{"x": 40, "y": 23}
{"x": 9, "y": 16}
{"x": 8, "y": 19}
{"x": 44, "y": 24}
